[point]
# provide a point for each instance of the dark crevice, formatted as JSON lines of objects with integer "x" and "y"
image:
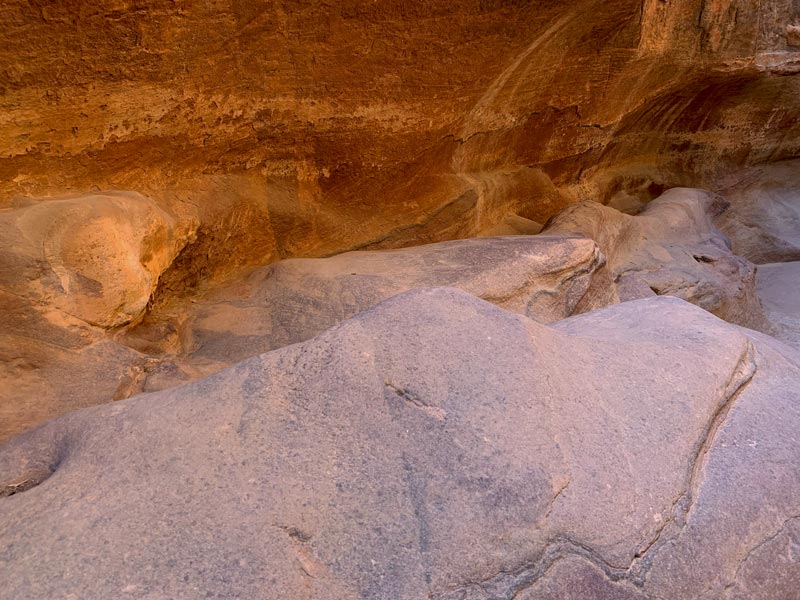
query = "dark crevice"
{"x": 507, "y": 585}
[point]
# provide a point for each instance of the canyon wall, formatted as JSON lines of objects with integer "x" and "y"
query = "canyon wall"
{"x": 298, "y": 128}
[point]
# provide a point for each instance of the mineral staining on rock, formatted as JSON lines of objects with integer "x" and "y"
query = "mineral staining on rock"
{"x": 337, "y": 127}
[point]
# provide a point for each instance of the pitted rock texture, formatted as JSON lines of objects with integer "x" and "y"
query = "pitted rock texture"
{"x": 434, "y": 446}
{"x": 671, "y": 248}
{"x": 315, "y": 128}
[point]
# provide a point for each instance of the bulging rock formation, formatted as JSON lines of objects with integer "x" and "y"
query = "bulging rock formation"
{"x": 96, "y": 258}
{"x": 672, "y": 248}
{"x": 71, "y": 269}
{"x": 435, "y": 446}
{"x": 183, "y": 338}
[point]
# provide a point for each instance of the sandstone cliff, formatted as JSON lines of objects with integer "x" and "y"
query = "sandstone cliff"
{"x": 289, "y": 128}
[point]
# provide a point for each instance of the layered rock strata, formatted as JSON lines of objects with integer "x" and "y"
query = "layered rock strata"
{"x": 309, "y": 129}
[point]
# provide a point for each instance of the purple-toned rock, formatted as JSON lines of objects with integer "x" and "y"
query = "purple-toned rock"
{"x": 435, "y": 446}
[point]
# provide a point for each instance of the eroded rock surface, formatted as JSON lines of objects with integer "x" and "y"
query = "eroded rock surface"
{"x": 671, "y": 248}
{"x": 332, "y": 127}
{"x": 71, "y": 269}
{"x": 434, "y": 446}
{"x": 94, "y": 257}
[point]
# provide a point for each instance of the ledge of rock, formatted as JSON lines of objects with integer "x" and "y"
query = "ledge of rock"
{"x": 670, "y": 248}
{"x": 547, "y": 278}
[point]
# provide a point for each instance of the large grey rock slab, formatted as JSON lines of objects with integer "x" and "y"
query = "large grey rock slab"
{"x": 673, "y": 248}
{"x": 763, "y": 219}
{"x": 435, "y": 446}
{"x": 546, "y": 277}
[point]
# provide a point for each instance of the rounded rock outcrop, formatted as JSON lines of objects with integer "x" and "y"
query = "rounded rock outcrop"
{"x": 96, "y": 257}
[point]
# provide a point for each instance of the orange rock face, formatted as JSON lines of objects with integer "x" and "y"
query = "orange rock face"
{"x": 304, "y": 128}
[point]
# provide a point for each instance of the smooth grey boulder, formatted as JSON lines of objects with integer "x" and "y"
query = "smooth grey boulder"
{"x": 779, "y": 289}
{"x": 763, "y": 219}
{"x": 435, "y": 446}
